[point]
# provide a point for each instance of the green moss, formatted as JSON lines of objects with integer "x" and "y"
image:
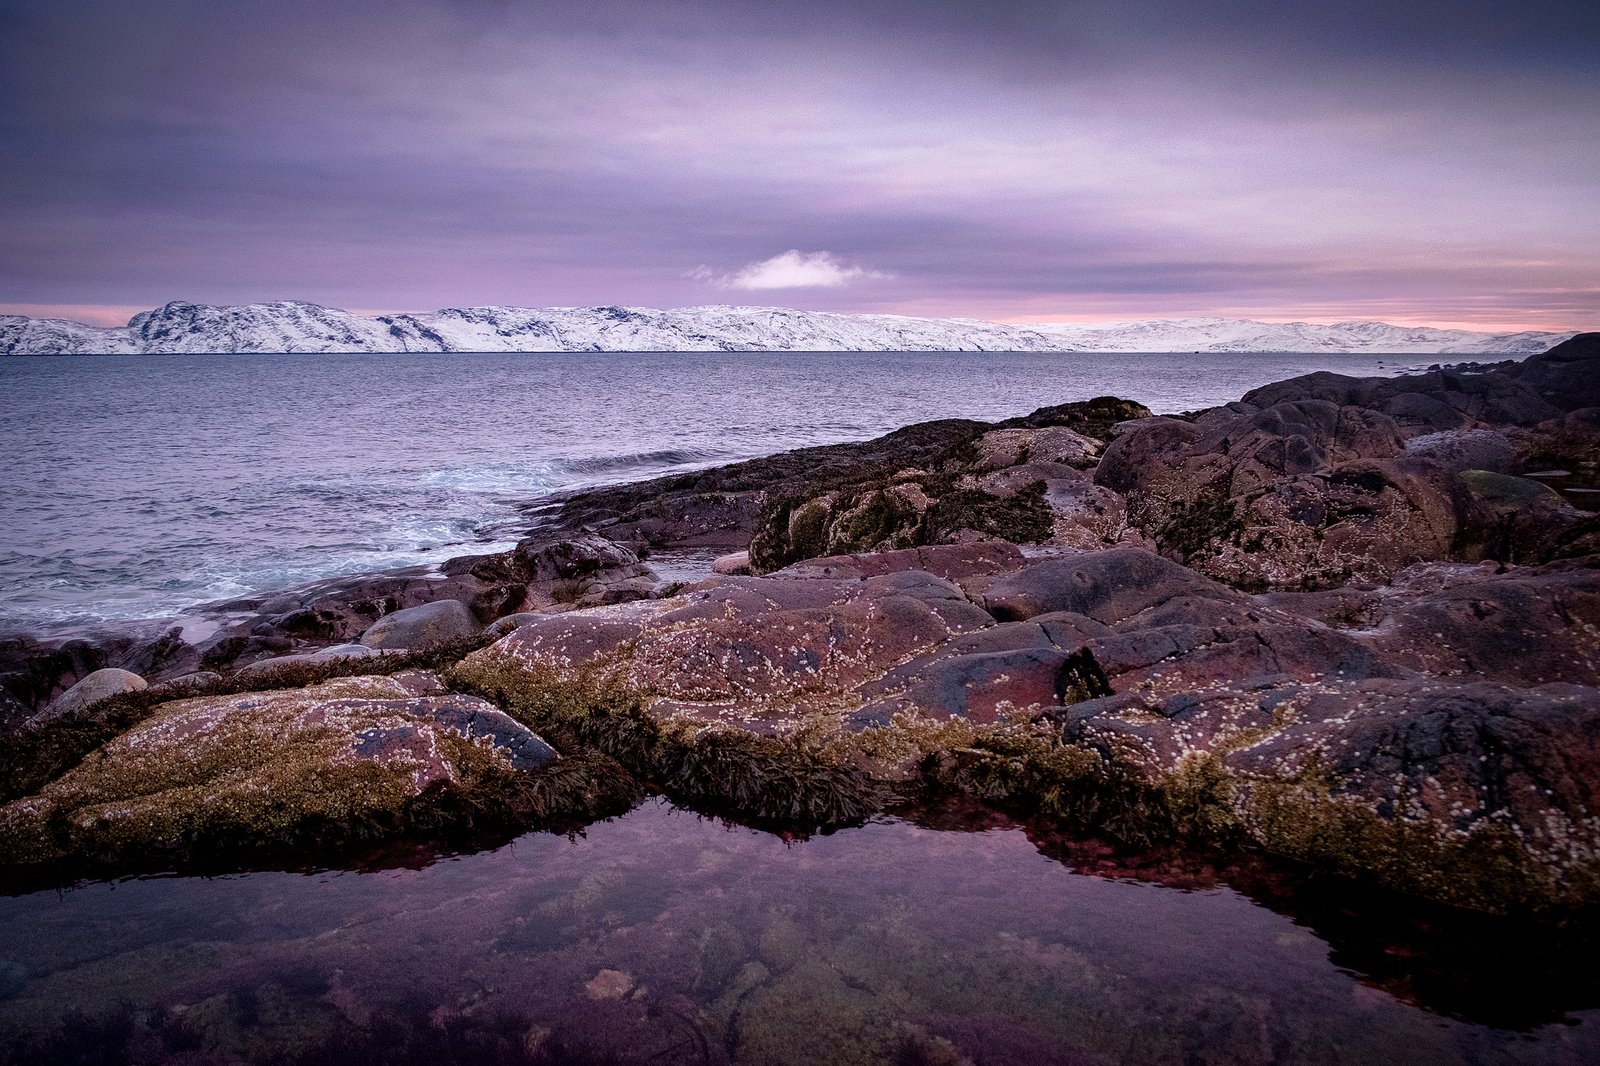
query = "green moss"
{"x": 844, "y": 777}
{"x": 1095, "y": 791}
{"x": 882, "y": 519}
{"x": 778, "y": 782}
{"x": 259, "y": 783}
{"x": 1198, "y": 527}
{"x": 1023, "y": 518}
{"x": 569, "y": 793}
{"x": 766, "y": 780}
{"x": 808, "y": 532}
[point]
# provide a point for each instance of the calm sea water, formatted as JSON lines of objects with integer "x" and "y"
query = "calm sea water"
{"x": 664, "y": 938}
{"x": 135, "y": 487}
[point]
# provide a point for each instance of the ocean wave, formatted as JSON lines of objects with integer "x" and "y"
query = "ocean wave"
{"x": 665, "y": 457}
{"x": 501, "y": 479}
{"x": 534, "y": 479}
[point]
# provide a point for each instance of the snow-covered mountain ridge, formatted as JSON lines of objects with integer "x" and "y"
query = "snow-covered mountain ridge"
{"x": 304, "y": 327}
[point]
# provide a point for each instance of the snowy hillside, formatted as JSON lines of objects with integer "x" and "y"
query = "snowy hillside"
{"x": 304, "y": 327}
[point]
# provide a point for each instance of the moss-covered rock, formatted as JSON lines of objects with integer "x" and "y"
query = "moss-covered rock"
{"x": 289, "y": 773}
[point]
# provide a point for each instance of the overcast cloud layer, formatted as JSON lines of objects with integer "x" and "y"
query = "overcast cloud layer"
{"x": 1417, "y": 162}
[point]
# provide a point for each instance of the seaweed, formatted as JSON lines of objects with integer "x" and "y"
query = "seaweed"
{"x": 772, "y": 782}
{"x": 1023, "y": 518}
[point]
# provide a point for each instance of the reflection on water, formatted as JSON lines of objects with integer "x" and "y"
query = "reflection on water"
{"x": 661, "y": 937}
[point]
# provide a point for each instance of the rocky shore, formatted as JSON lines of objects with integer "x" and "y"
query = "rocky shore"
{"x": 1354, "y": 623}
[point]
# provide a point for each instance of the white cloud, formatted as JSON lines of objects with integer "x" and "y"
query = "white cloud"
{"x": 793, "y": 269}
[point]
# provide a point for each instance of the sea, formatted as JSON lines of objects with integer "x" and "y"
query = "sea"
{"x": 139, "y": 487}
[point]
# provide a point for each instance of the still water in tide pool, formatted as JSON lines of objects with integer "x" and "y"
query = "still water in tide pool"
{"x": 662, "y": 937}
{"x": 136, "y": 487}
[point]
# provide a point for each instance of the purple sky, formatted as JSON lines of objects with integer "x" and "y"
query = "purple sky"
{"x": 1427, "y": 162}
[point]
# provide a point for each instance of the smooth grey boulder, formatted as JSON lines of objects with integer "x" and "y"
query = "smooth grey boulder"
{"x": 1108, "y": 586}
{"x": 735, "y": 564}
{"x": 415, "y": 627}
{"x": 97, "y": 686}
{"x": 1466, "y": 449}
{"x": 512, "y": 622}
{"x": 343, "y": 651}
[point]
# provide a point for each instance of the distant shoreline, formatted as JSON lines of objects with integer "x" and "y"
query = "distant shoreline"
{"x": 292, "y": 327}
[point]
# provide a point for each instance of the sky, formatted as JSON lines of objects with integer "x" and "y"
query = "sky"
{"x": 1425, "y": 162}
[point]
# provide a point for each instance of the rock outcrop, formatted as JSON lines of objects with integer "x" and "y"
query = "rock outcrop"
{"x": 1324, "y": 480}
{"x": 1347, "y": 745}
{"x": 285, "y": 772}
{"x": 1355, "y": 622}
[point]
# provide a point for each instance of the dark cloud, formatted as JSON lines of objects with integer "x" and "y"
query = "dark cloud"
{"x": 996, "y": 159}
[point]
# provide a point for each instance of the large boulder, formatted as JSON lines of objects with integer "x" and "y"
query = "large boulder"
{"x": 1481, "y": 794}
{"x": 1108, "y": 586}
{"x": 768, "y": 653}
{"x": 1247, "y": 451}
{"x": 1510, "y": 519}
{"x": 99, "y": 685}
{"x": 416, "y": 627}
{"x": 1567, "y": 376}
{"x": 1455, "y": 450}
{"x": 774, "y": 654}
{"x": 334, "y": 762}
{"x": 1299, "y": 493}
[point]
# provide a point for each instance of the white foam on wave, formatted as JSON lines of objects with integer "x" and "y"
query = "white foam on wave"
{"x": 529, "y": 479}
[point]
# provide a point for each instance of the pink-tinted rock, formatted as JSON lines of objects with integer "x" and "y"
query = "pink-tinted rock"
{"x": 1525, "y": 627}
{"x": 1107, "y": 586}
{"x": 982, "y": 687}
{"x": 953, "y": 562}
